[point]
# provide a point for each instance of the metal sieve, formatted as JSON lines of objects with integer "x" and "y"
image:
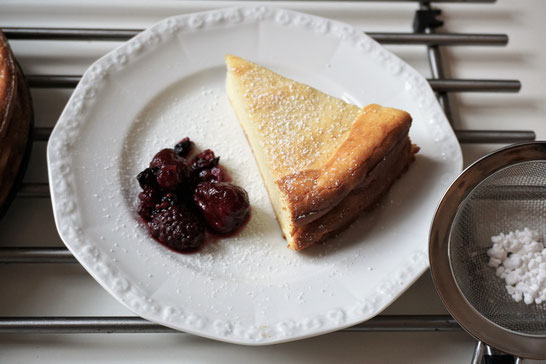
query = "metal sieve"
{"x": 502, "y": 192}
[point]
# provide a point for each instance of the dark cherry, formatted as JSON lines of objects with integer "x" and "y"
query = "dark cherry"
{"x": 168, "y": 178}
{"x": 212, "y": 175}
{"x": 178, "y": 228}
{"x": 223, "y": 205}
{"x": 204, "y": 160}
{"x": 165, "y": 157}
{"x": 183, "y": 147}
{"x": 147, "y": 178}
{"x": 147, "y": 202}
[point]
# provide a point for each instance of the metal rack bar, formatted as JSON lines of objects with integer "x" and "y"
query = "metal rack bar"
{"x": 439, "y": 85}
{"x": 52, "y": 81}
{"x": 33, "y": 190}
{"x": 81, "y": 34}
{"x": 36, "y": 255}
{"x": 437, "y": 70}
{"x": 472, "y": 85}
{"x": 495, "y": 136}
{"x": 41, "y": 134}
{"x": 451, "y": 39}
{"x": 98, "y": 325}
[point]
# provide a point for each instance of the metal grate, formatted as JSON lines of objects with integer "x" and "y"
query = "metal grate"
{"x": 443, "y": 87}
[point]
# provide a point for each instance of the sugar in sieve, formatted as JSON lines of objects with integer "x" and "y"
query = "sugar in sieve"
{"x": 501, "y": 192}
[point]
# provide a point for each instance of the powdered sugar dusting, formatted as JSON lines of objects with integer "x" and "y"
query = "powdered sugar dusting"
{"x": 299, "y": 126}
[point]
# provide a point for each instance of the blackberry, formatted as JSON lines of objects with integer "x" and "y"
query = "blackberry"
{"x": 170, "y": 199}
{"x": 178, "y": 228}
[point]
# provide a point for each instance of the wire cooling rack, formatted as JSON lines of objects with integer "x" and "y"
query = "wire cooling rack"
{"x": 425, "y": 23}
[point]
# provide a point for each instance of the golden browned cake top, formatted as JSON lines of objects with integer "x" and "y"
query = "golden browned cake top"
{"x": 372, "y": 138}
{"x": 298, "y": 125}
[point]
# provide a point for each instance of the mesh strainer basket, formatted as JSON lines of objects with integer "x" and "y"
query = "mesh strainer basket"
{"x": 502, "y": 192}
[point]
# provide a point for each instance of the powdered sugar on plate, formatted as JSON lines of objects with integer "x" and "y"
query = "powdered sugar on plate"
{"x": 520, "y": 259}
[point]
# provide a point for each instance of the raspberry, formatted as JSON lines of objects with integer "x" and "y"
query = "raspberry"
{"x": 204, "y": 160}
{"x": 223, "y": 205}
{"x": 183, "y": 147}
{"x": 178, "y": 228}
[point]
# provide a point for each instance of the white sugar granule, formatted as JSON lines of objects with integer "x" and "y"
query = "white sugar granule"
{"x": 520, "y": 259}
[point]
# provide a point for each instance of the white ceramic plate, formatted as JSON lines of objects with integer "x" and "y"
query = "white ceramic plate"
{"x": 168, "y": 83}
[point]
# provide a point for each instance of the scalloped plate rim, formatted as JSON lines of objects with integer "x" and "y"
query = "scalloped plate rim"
{"x": 60, "y": 220}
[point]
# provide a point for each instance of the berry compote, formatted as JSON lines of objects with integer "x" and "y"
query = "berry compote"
{"x": 182, "y": 199}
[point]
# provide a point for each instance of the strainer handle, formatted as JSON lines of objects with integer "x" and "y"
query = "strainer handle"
{"x": 485, "y": 354}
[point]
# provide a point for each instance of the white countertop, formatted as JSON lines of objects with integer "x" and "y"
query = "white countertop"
{"x": 57, "y": 289}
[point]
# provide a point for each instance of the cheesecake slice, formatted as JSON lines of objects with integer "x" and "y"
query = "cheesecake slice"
{"x": 323, "y": 161}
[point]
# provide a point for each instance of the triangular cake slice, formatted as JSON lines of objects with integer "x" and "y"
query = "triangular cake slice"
{"x": 322, "y": 160}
